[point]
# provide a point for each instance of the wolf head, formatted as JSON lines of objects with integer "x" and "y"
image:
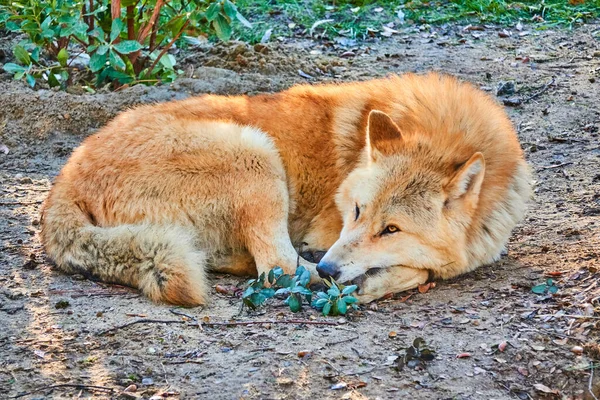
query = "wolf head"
{"x": 407, "y": 209}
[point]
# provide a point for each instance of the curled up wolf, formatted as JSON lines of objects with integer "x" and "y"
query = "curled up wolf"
{"x": 397, "y": 179}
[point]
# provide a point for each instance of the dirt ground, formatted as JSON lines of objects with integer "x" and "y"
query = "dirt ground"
{"x": 493, "y": 337}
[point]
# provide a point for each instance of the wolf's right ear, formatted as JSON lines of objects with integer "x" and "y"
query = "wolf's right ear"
{"x": 381, "y": 131}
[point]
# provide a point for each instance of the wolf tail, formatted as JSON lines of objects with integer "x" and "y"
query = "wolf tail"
{"x": 160, "y": 260}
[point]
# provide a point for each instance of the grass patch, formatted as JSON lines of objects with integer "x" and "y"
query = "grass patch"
{"x": 358, "y": 18}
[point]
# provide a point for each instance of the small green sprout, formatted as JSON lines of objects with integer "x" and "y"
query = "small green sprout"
{"x": 545, "y": 288}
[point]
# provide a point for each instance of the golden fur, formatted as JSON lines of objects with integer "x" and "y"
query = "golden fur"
{"x": 232, "y": 184}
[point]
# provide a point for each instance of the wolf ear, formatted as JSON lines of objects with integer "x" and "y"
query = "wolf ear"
{"x": 467, "y": 181}
{"x": 380, "y": 131}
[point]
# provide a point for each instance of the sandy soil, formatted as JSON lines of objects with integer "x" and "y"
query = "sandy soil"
{"x": 51, "y": 324}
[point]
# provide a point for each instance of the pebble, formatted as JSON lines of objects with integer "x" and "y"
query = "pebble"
{"x": 577, "y": 350}
{"x": 147, "y": 381}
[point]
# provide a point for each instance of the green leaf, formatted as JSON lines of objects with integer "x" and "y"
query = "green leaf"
{"x": 539, "y": 289}
{"x": 341, "y": 306}
{"x": 333, "y": 291}
{"x": 248, "y": 292}
{"x": 268, "y": 292}
{"x": 277, "y": 271}
{"x": 257, "y": 299}
{"x": 553, "y": 289}
{"x": 243, "y": 20}
{"x": 168, "y": 61}
{"x": 319, "y": 303}
{"x": 284, "y": 281}
{"x": 115, "y": 60}
{"x": 128, "y": 46}
{"x": 22, "y": 55}
{"x": 350, "y": 299}
{"x": 35, "y": 54}
{"x": 30, "y": 80}
{"x": 271, "y": 277}
{"x": 282, "y": 291}
{"x": 52, "y": 81}
{"x": 295, "y": 303}
{"x": 46, "y": 23}
{"x": 212, "y": 11}
{"x": 97, "y": 62}
{"x": 327, "y": 308}
{"x": 230, "y": 9}
{"x": 102, "y": 49}
{"x": 305, "y": 278}
{"x": 62, "y": 57}
{"x": 222, "y": 28}
{"x": 115, "y": 29}
{"x": 349, "y": 289}
{"x": 12, "y": 68}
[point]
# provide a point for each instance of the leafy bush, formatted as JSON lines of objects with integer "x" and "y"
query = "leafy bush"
{"x": 293, "y": 288}
{"x": 127, "y": 41}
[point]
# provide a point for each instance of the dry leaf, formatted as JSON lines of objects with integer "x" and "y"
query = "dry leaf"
{"x": 537, "y": 347}
{"x": 392, "y": 334}
{"x": 387, "y": 32}
{"x": 554, "y": 273}
{"x": 463, "y": 355}
{"x": 523, "y": 371}
{"x": 545, "y": 389}
{"x": 424, "y": 288}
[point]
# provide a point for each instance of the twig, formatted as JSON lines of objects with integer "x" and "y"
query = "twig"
{"x": 89, "y": 387}
{"x": 569, "y": 316}
{"x": 141, "y": 321}
{"x": 590, "y": 388}
{"x": 174, "y": 311}
{"x": 540, "y": 92}
{"x": 185, "y": 362}
{"x": 168, "y": 46}
{"x": 342, "y": 341}
{"x": 556, "y": 166}
{"x": 285, "y": 321}
{"x": 20, "y": 203}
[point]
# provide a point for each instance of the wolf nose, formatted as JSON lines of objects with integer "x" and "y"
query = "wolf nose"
{"x": 327, "y": 270}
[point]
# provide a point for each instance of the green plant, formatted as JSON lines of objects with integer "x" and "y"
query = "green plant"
{"x": 545, "y": 288}
{"x": 295, "y": 291}
{"x": 416, "y": 355}
{"x": 127, "y": 41}
{"x": 280, "y": 284}
{"x": 336, "y": 300}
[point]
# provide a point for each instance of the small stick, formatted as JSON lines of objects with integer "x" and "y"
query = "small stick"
{"x": 590, "y": 388}
{"x": 285, "y": 321}
{"x": 141, "y": 321}
{"x": 342, "y": 341}
{"x": 540, "y": 92}
{"x": 20, "y": 203}
{"x": 557, "y": 165}
{"x": 90, "y": 387}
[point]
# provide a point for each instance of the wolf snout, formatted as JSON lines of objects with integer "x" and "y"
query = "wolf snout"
{"x": 328, "y": 270}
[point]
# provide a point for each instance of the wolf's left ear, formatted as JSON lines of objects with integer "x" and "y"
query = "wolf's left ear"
{"x": 467, "y": 181}
{"x": 380, "y": 131}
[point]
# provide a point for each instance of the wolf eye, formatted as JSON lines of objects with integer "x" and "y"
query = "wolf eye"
{"x": 390, "y": 229}
{"x": 356, "y": 211}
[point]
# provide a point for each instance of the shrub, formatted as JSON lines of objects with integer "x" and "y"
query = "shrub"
{"x": 126, "y": 41}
